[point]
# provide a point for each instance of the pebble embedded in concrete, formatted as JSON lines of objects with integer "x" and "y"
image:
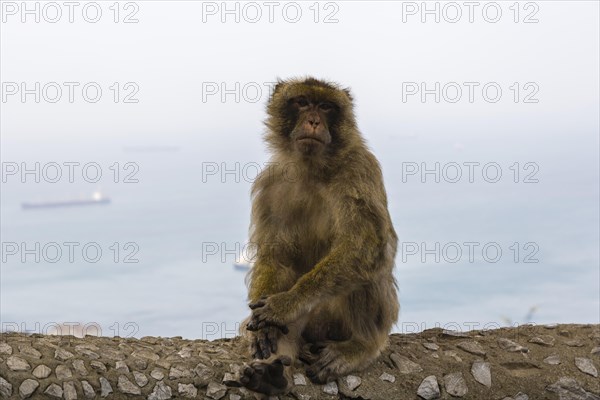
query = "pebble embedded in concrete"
{"x": 455, "y": 384}
{"x": 41, "y": 371}
{"x": 471, "y": 347}
{"x": 429, "y": 389}
{"x": 105, "y": 387}
{"x": 481, "y": 372}
{"x": 387, "y": 377}
{"x": 331, "y": 388}
{"x": 511, "y": 346}
{"x": 16, "y": 363}
{"x": 586, "y": 366}
{"x": 54, "y": 390}
{"x": 28, "y": 387}
{"x": 405, "y": 365}
{"x": 187, "y": 390}
{"x": 140, "y": 378}
{"x": 216, "y": 391}
{"x": 126, "y": 386}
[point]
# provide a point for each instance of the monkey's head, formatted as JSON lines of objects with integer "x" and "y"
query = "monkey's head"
{"x": 311, "y": 118}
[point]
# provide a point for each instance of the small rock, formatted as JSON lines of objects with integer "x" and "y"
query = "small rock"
{"x": 70, "y": 393}
{"x": 79, "y": 367}
{"x": 54, "y": 390}
{"x": 300, "y": 396}
{"x": 112, "y": 354}
{"x": 543, "y": 340}
{"x": 105, "y": 388}
{"x": 431, "y": 346}
{"x": 88, "y": 390}
{"x": 405, "y": 365}
{"x": 180, "y": 371}
{"x": 216, "y": 391}
{"x": 5, "y": 388}
{"x": 62, "y": 354}
{"x": 521, "y": 396}
{"x": 122, "y": 367}
{"x": 595, "y": 351}
{"x": 139, "y": 364}
{"x": 41, "y": 371}
{"x": 230, "y": 380}
{"x": 235, "y": 397}
{"x": 86, "y": 346}
{"x": 161, "y": 392}
{"x": 454, "y": 334}
{"x": 98, "y": 365}
{"x": 569, "y": 389}
{"x": 87, "y": 352}
{"x": 166, "y": 364}
{"x": 550, "y": 326}
{"x": 552, "y": 360}
{"x": 455, "y": 384}
{"x": 29, "y": 351}
{"x": 387, "y": 377}
{"x": 126, "y": 386}
{"x": 354, "y": 381}
{"x": 452, "y": 353}
{"x": 186, "y": 352}
{"x": 140, "y": 378}
{"x": 157, "y": 374}
{"x": 187, "y": 390}
{"x": 16, "y": 363}
{"x": 429, "y": 389}
{"x": 63, "y": 372}
{"x": 509, "y": 345}
{"x": 146, "y": 354}
{"x": 574, "y": 343}
{"x": 5, "y": 348}
{"x": 586, "y": 366}
{"x": 28, "y": 387}
{"x": 331, "y": 388}
{"x": 481, "y": 372}
{"x": 471, "y": 347}
{"x": 299, "y": 379}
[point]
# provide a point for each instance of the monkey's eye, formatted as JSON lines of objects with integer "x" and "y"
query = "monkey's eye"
{"x": 301, "y": 102}
{"x": 326, "y": 107}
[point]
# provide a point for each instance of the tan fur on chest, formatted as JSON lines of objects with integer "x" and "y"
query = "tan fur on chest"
{"x": 304, "y": 222}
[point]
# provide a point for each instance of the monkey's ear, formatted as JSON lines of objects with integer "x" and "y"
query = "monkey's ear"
{"x": 278, "y": 86}
{"x": 348, "y": 93}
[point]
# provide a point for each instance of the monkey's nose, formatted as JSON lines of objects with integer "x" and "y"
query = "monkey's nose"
{"x": 313, "y": 122}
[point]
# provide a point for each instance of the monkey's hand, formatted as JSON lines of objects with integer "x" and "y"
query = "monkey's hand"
{"x": 264, "y": 342}
{"x": 269, "y": 312}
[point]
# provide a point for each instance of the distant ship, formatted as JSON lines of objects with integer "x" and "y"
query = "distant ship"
{"x": 243, "y": 266}
{"x": 97, "y": 198}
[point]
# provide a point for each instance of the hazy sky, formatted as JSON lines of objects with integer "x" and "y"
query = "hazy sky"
{"x": 170, "y": 55}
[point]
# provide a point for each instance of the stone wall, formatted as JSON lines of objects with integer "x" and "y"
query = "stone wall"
{"x": 528, "y": 362}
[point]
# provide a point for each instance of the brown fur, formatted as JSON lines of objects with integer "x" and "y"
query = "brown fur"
{"x": 321, "y": 288}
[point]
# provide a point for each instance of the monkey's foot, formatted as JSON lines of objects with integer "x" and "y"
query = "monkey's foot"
{"x": 266, "y": 377}
{"x": 332, "y": 362}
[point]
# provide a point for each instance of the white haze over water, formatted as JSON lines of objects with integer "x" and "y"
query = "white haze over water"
{"x": 172, "y": 212}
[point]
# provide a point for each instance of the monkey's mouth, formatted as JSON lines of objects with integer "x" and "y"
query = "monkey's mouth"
{"x": 310, "y": 140}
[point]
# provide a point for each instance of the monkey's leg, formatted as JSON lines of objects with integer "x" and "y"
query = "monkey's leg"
{"x": 273, "y": 375}
{"x": 335, "y": 359}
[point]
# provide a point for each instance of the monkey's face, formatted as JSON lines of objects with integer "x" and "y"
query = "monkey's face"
{"x": 311, "y": 134}
{"x": 311, "y": 118}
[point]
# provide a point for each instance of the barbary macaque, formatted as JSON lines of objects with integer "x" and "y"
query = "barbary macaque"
{"x": 322, "y": 290}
